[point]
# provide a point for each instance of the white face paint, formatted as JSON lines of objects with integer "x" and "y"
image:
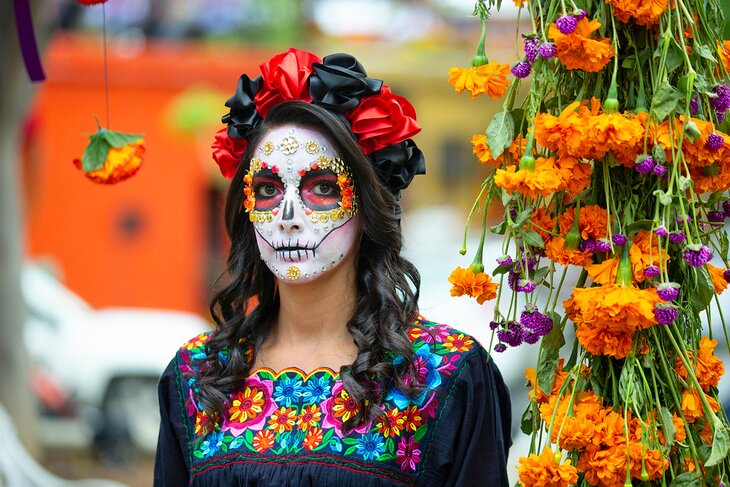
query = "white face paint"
{"x": 300, "y": 197}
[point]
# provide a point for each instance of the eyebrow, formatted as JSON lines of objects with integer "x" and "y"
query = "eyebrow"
{"x": 266, "y": 173}
{"x": 319, "y": 172}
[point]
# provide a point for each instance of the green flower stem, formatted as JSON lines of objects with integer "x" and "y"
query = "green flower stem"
{"x": 480, "y": 57}
{"x": 486, "y": 184}
{"x": 624, "y": 274}
{"x": 477, "y": 265}
{"x": 557, "y": 292}
{"x": 710, "y": 414}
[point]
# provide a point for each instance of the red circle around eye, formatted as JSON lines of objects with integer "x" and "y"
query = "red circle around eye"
{"x": 268, "y": 192}
{"x": 321, "y": 193}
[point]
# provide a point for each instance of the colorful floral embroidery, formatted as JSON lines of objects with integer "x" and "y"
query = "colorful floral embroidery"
{"x": 293, "y": 413}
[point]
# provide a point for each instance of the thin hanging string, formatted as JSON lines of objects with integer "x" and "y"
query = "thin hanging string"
{"x": 106, "y": 72}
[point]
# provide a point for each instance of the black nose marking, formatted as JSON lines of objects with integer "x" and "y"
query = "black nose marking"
{"x": 288, "y": 210}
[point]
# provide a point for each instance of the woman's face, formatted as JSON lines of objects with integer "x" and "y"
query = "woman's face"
{"x": 301, "y": 200}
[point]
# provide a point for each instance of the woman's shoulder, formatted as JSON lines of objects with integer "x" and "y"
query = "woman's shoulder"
{"x": 442, "y": 339}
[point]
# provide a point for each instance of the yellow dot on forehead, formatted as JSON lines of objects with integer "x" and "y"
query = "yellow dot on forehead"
{"x": 268, "y": 147}
{"x": 311, "y": 147}
{"x": 289, "y": 145}
{"x": 293, "y": 272}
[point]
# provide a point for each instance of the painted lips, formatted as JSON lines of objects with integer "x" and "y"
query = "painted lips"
{"x": 294, "y": 253}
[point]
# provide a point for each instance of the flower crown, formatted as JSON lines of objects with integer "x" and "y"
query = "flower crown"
{"x": 382, "y": 122}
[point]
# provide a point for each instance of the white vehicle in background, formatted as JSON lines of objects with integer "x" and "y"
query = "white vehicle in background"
{"x": 99, "y": 368}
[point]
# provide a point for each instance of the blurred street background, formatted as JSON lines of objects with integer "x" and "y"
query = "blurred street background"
{"x": 100, "y": 285}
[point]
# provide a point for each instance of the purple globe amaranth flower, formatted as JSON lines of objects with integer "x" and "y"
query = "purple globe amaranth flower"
{"x": 522, "y": 69}
{"x": 694, "y": 105}
{"x": 511, "y": 334}
{"x": 716, "y": 216}
{"x": 697, "y": 255}
{"x": 677, "y": 237}
{"x": 726, "y": 275}
{"x": 531, "y": 49}
{"x": 661, "y": 231}
{"x": 681, "y": 220}
{"x": 619, "y": 239}
{"x": 720, "y": 116}
{"x": 534, "y": 320}
{"x": 668, "y": 291}
{"x": 566, "y": 24}
{"x": 659, "y": 170}
{"x": 589, "y": 245}
{"x": 547, "y": 50}
{"x": 722, "y": 102}
{"x": 493, "y": 325}
{"x": 500, "y": 347}
{"x": 646, "y": 166}
{"x": 529, "y": 336}
{"x": 525, "y": 286}
{"x": 726, "y": 207}
{"x": 603, "y": 246}
{"x": 714, "y": 141}
{"x": 651, "y": 271}
{"x": 504, "y": 260}
{"x": 665, "y": 314}
{"x": 512, "y": 212}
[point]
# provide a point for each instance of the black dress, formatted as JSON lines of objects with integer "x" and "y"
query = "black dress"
{"x": 285, "y": 429}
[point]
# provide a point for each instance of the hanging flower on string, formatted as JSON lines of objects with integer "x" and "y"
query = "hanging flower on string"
{"x": 111, "y": 157}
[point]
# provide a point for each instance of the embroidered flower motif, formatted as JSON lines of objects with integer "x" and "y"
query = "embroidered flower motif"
{"x": 287, "y": 391}
{"x": 428, "y": 376}
{"x": 212, "y": 444}
{"x": 247, "y": 405}
{"x": 263, "y": 440}
{"x": 408, "y": 455}
{"x": 412, "y": 418}
{"x": 392, "y": 424}
{"x": 250, "y": 406}
{"x": 338, "y": 408}
{"x": 316, "y": 390}
{"x": 370, "y": 446}
{"x": 310, "y": 417}
{"x": 283, "y": 419}
{"x": 458, "y": 342}
{"x": 313, "y": 438}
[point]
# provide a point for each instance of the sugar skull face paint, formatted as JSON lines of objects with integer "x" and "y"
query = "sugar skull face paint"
{"x": 300, "y": 197}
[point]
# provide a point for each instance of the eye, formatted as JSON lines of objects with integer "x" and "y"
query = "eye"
{"x": 266, "y": 190}
{"x": 325, "y": 188}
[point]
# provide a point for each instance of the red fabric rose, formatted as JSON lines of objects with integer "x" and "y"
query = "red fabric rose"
{"x": 285, "y": 77}
{"x": 383, "y": 120}
{"x": 227, "y": 152}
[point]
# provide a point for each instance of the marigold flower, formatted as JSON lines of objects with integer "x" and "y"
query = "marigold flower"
{"x": 692, "y": 405}
{"x": 478, "y": 285}
{"x": 718, "y": 279}
{"x": 645, "y": 12}
{"x": 490, "y": 79}
{"x": 707, "y": 367}
{"x": 484, "y": 154}
{"x": 556, "y": 251}
{"x": 564, "y": 134}
{"x": 545, "y": 471}
{"x": 576, "y": 175}
{"x": 604, "y": 272}
{"x": 645, "y": 459}
{"x": 540, "y": 396}
{"x": 542, "y": 222}
{"x": 544, "y": 180}
{"x": 604, "y": 466}
{"x": 592, "y": 222}
{"x": 121, "y": 163}
{"x": 645, "y": 252}
{"x": 608, "y": 316}
{"x": 579, "y": 49}
{"x": 723, "y": 50}
{"x": 620, "y": 134}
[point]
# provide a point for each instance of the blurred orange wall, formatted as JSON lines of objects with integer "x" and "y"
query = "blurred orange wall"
{"x": 142, "y": 242}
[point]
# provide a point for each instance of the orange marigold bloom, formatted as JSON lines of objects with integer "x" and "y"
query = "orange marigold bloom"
{"x": 608, "y": 316}
{"x": 477, "y": 285}
{"x": 707, "y": 367}
{"x": 556, "y": 251}
{"x": 645, "y": 458}
{"x": 723, "y": 49}
{"x": 580, "y": 50}
{"x": 609, "y": 428}
{"x": 716, "y": 274}
{"x": 560, "y": 377}
{"x": 542, "y": 222}
{"x": 592, "y": 222}
{"x": 645, "y": 12}
{"x": 484, "y": 154}
{"x": 604, "y": 272}
{"x": 544, "y": 471}
{"x": 604, "y": 466}
{"x": 620, "y": 134}
{"x": 645, "y": 251}
{"x": 695, "y": 153}
{"x": 564, "y": 134}
{"x": 121, "y": 163}
{"x": 544, "y": 180}
{"x": 692, "y": 405}
{"x": 576, "y": 175}
{"x": 490, "y": 79}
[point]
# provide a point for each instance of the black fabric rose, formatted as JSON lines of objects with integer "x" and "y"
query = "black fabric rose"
{"x": 339, "y": 81}
{"x": 243, "y": 117}
{"x": 397, "y": 164}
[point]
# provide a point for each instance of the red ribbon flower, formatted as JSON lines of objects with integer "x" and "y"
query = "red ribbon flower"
{"x": 227, "y": 152}
{"x": 285, "y": 77}
{"x": 382, "y": 120}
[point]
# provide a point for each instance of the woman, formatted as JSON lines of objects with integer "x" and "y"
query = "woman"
{"x": 320, "y": 371}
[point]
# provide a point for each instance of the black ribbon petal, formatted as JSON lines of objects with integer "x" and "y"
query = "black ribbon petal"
{"x": 243, "y": 117}
{"x": 339, "y": 82}
{"x": 397, "y": 164}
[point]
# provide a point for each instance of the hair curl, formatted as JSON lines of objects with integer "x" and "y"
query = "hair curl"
{"x": 387, "y": 285}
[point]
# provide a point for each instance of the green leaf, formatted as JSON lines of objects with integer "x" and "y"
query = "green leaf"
{"x": 629, "y": 385}
{"x": 720, "y": 445}
{"x": 638, "y": 225}
{"x": 350, "y": 450}
{"x": 687, "y": 479}
{"x": 522, "y": 217}
{"x": 724, "y": 244}
{"x": 119, "y": 139}
{"x": 704, "y": 52}
{"x": 519, "y": 120}
{"x": 704, "y": 290}
{"x": 503, "y": 269}
{"x": 420, "y": 433}
{"x": 533, "y": 239}
{"x": 540, "y": 274}
{"x": 95, "y": 153}
{"x": 500, "y": 133}
{"x": 659, "y": 154}
{"x": 668, "y": 425}
{"x": 526, "y": 424}
{"x": 547, "y": 364}
{"x": 664, "y": 101}
{"x": 499, "y": 229}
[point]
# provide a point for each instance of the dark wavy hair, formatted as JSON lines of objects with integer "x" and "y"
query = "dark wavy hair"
{"x": 387, "y": 284}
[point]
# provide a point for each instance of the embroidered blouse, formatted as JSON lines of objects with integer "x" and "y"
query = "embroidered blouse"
{"x": 285, "y": 428}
